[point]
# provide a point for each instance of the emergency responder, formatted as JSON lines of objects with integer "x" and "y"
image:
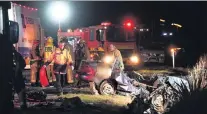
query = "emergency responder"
{"x": 81, "y": 53}
{"x": 47, "y": 53}
{"x": 113, "y": 51}
{"x": 18, "y": 79}
{"x": 35, "y": 63}
{"x": 119, "y": 65}
{"x": 61, "y": 58}
{"x": 69, "y": 48}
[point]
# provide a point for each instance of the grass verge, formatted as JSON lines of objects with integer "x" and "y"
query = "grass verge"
{"x": 102, "y": 99}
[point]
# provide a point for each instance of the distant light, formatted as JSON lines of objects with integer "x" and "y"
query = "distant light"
{"x": 141, "y": 29}
{"x": 165, "y": 34}
{"x": 69, "y": 30}
{"x": 177, "y": 25}
{"x": 171, "y": 34}
{"x": 100, "y": 30}
{"x": 106, "y": 23}
{"x": 162, "y": 20}
{"x": 105, "y": 27}
{"x": 147, "y": 29}
{"x": 81, "y": 30}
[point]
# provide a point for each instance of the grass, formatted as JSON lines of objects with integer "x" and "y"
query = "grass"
{"x": 102, "y": 99}
{"x": 148, "y": 71}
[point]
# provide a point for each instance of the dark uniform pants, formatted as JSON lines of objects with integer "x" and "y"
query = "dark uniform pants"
{"x": 60, "y": 82}
{"x": 60, "y": 78}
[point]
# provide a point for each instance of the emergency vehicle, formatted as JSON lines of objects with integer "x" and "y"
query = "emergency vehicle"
{"x": 100, "y": 36}
{"x": 29, "y": 29}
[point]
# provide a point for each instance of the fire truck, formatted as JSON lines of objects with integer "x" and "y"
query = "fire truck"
{"x": 100, "y": 36}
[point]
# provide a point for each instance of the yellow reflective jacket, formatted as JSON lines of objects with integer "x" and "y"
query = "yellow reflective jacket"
{"x": 61, "y": 56}
{"x": 48, "y": 51}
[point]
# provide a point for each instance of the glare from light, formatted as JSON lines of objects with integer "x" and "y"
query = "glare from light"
{"x": 81, "y": 30}
{"x": 141, "y": 30}
{"x": 59, "y": 10}
{"x": 108, "y": 59}
{"x": 147, "y": 29}
{"x": 162, "y": 20}
{"x": 134, "y": 59}
{"x": 172, "y": 50}
{"x": 165, "y": 34}
{"x": 105, "y": 27}
{"x": 129, "y": 24}
{"x": 171, "y": 34}
{"x": 69, "y": 30}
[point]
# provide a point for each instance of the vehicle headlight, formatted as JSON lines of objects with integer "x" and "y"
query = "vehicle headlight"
{"x": 134, "y": 59}
{"x": 108, "y": 59}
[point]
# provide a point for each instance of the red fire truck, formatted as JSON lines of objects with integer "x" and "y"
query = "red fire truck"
{"x": 100, "y": 36}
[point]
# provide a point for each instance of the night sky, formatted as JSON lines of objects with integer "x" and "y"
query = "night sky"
{"x": 191, "y": 15}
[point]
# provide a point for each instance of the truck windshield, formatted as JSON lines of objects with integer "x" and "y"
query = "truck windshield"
{"x": 119, "y": 34}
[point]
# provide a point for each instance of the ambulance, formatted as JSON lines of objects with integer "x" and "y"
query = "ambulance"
{"x": 29, "y": 29}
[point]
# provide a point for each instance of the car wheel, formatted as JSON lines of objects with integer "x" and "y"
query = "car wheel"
{"x": 107, "y": 88}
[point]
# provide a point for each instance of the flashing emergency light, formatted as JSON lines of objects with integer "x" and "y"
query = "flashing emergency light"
{"x": 129, "y": 24}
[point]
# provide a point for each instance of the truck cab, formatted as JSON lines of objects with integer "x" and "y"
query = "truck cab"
{"x": 101, "y": 36}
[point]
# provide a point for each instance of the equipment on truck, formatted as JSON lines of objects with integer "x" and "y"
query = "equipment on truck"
{"x": 29, "y": 29}
{"x": 122, "y": 36}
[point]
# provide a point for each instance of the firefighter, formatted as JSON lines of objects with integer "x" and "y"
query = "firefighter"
{"x": 113, "y": 51}
{"x": 61, "y": 58}
{"x": 119, "y": 65}
{"x": 47, "y": 53}
{"x": 81, "y": 53}
{"x": 69, "y": 48}
{"x": 35, "y": 63}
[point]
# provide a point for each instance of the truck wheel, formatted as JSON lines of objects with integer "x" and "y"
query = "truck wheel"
{"x": 107, "y": 88}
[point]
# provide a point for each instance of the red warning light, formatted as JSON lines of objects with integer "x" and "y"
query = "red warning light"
{"x": 129, "y": 24}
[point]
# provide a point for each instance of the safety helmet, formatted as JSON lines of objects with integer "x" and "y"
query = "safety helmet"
{"x": 49, "y": 39}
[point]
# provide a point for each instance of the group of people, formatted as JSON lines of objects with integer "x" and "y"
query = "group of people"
{"x": 58, "y": 62}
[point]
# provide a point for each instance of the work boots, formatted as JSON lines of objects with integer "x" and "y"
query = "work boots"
{"x": 93, "y": 88}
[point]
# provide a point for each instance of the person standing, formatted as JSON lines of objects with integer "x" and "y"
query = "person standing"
{"x": 35, "y": 63}
{"x": 82, "y": 53}
{"x": 61, "y": 58}
{"x": 114, "y": 52}
{"x": 47, "y": 53}
{"x": 69, "y": 48}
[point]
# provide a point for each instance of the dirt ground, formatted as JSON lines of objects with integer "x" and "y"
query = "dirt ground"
{"x": 96, "y": 104}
